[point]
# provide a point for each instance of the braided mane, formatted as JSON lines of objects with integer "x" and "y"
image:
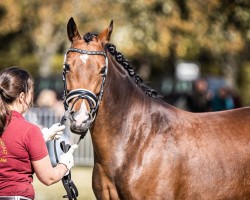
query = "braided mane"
{"x": 126, "y": 65}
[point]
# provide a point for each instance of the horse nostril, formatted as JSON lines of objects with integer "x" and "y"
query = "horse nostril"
{"x": 71, "y": 115}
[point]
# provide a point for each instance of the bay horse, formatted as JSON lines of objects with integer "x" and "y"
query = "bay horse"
{"x": 144, "y": 148}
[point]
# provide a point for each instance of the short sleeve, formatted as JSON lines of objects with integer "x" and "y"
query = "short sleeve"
{"x": 35, "y": 144}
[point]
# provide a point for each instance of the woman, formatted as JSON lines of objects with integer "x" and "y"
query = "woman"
{"x": 22, "y": 145}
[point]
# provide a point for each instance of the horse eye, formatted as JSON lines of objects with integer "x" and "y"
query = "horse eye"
{"x": 103, "y": 70}
{"x": 66, "y": 67}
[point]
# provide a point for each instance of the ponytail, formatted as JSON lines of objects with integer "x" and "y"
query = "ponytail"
{"x": 4, "y": 113}
{"x": 13, "y": 81}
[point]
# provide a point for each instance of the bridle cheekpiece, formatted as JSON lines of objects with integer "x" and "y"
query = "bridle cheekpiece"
{"x": 81, "y": 93}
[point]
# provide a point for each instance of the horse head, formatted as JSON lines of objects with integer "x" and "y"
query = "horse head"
{"x": 84, "y": 71}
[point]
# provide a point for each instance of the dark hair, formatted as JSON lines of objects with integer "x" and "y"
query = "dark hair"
{"x": 13, "y": 81}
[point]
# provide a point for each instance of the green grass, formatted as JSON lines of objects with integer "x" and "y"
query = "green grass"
{"x": 82, "y": 178}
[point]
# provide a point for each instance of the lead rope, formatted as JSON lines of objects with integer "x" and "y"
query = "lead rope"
{"x": 69, "y": 186}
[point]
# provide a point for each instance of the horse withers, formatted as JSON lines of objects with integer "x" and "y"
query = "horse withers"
{"x": 143, "y": 147}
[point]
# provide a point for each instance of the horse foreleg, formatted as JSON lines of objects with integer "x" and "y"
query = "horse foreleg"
{"x": 103, "y": 188}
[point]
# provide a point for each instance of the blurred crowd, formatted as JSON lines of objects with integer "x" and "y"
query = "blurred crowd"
{"x": 201, "y": 99}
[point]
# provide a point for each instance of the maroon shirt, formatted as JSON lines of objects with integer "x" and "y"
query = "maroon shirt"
{"x": 21, "y": 143}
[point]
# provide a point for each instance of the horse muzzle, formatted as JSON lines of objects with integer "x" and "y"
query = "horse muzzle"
{"x": 80, "y": 126}
{"x": 81, "y": 120}
{"x": 79, "y": 129}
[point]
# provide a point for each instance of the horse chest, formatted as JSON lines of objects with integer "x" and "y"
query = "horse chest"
{"x": 125, "y": 184}
{"x": 188, "y": 178}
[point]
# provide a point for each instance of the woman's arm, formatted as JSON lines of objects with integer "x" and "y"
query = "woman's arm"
{"x": 48, "y": 174}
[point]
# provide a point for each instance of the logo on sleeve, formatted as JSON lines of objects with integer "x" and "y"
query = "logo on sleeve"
{"x": 3, "y": 151}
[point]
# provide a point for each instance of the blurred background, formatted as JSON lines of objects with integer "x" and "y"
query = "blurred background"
{"x": 205, "y": 38}
{"x": 194, "y": 52}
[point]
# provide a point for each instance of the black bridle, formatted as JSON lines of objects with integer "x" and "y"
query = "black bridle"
{"x": 77, "y": 94}
{"x": 93, "y": 101}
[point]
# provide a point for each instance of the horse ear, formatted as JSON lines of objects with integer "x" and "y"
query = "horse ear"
{"x": 72, "y": 30}
{"x": 105, "y": 35}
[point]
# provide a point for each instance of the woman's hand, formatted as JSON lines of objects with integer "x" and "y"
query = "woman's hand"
{"x": 54, "y": 132}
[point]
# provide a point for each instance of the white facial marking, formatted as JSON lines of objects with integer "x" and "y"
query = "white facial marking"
{"x": 84, "y": 58}
{"x": 82, "y": 114}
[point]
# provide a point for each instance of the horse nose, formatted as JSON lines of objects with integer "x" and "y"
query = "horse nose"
{"x": 71, "y": 116}
{"x": 79, "y": 117}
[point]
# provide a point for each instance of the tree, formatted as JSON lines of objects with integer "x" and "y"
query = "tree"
{"x": 154, "y": 33}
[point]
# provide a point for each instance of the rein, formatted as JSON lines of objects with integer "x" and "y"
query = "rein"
{"x": 93, "y": 101}
{"x": 68, "y": 184}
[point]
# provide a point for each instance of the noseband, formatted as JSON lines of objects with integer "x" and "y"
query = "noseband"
{"x": 81, "y": 93}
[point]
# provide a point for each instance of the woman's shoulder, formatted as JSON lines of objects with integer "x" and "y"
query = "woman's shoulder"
{"x": 17, "y": 120}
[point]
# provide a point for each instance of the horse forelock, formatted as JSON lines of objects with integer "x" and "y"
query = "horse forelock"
{"x": 89, "y": 37}
{"x": 131, "y": 71}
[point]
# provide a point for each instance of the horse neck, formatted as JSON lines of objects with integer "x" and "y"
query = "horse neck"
{"x": 120, "y": 94}
{"x": 120, "y": 90}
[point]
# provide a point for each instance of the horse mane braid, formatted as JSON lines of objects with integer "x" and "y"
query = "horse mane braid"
{"x": 126, "y": 65}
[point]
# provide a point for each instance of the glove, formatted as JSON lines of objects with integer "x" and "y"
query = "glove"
{"x": 54, "y": 132}
{"x": 67, "y": 158}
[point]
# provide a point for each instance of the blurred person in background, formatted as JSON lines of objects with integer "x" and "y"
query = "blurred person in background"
{"x": 47, "y": 98}
{"x": 199, "y": 100}
{"x": 22, "y": 145}
{"x": 236, "y": 98}
{"x": 222, "y": 100}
